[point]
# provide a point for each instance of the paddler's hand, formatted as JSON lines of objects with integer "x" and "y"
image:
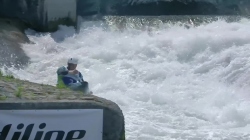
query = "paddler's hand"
{"x": 73, "y": 72}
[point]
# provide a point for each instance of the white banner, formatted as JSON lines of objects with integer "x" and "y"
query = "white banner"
{"x": 68, "y": 124}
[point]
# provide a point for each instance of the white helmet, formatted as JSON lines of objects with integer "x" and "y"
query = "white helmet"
{"x": 73, "y": 60}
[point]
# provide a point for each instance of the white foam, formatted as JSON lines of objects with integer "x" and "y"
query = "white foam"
{"x": 173, "y": 83}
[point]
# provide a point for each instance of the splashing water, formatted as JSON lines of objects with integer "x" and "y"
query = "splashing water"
{"x": 171, "y": 83}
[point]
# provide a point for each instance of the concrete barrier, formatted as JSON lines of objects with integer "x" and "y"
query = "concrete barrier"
{"x": 109, "y": 119}
{"x": 35, "y": 110}
{"x": 41, "y": 15}
{"x": 59, "y": 12}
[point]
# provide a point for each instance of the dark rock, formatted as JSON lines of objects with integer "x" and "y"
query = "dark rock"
{"x": 11, "y": 35}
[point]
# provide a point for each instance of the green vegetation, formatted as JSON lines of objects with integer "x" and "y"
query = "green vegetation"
{"x": 7, "y": 77}
{"x": 27, "y": 90}
{"x": 60, "y": 84}
{"x": 53, "y": 25}
{"x": 59, "y": 96}
{"x": 3, "y": 97}
{"x": 19, "y": 92}
{"x": 123, "y": 136}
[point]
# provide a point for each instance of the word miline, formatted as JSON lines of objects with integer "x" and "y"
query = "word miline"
{"x": 39, "y": 134}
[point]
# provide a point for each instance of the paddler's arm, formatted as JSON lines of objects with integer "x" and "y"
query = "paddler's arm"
{"x": 71, "y": 83}
{"x": 62, "y": 71}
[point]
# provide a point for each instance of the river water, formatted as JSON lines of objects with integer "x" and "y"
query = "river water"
{"x": 180, "y": 80}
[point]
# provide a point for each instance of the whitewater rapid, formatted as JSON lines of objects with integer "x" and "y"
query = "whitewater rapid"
{"x": 171, "y": 82}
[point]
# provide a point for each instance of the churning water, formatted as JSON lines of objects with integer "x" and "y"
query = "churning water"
{"x": 172, "y": 82}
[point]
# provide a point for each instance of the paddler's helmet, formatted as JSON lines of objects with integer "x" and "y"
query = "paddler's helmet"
{"x": 72, "y": 61}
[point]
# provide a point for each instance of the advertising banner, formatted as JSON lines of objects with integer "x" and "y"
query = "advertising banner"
{"x": 51, "y": 124}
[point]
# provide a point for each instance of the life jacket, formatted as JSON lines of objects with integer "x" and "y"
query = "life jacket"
{"x": 70, "y": 78}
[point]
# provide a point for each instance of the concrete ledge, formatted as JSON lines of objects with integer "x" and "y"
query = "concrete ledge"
{"x": 113, "y": 121}
{"x": 17, "y": 94}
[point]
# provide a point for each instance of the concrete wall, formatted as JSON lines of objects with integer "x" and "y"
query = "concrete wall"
{"x": 58, "y": 12}
{"x": 41, "y": 15}
{"x": 29, "y": 11}
{"x": 245, "y": 7}
{"x": 161, "y": 7}
{"x": 88, "y": 7}
{"x": 113, "y": 119}
{"x": 60, "y": 9}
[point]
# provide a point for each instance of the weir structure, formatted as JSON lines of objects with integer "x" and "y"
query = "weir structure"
{"x": 46, "y": 15}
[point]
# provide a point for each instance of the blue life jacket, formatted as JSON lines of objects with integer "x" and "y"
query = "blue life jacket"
{"x": 73, "y": 81}
{"x": 70, "y": 78}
